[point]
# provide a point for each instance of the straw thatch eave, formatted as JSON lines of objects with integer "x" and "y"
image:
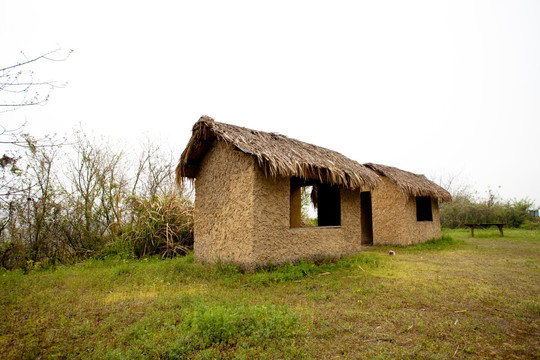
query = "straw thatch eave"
{"x": 277, "y": 155}
{"x": 411, "y": 184}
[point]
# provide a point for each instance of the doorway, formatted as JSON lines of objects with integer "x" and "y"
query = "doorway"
{"x": 366, "y": 218}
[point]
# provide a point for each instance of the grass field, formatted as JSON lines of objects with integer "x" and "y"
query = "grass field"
{"x": 454, "y": 298}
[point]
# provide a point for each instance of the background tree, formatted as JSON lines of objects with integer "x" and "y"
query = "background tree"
{"x": 19, "y": 86}
{"x": 469, "y": 206}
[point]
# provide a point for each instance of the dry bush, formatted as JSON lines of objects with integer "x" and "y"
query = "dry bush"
{"x": 162, "y": 225}
{"x": 63, "y": 202}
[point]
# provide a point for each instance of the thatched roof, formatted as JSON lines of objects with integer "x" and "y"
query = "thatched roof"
{"x": 411, "y": 184}
{"x": 276, "y": 154}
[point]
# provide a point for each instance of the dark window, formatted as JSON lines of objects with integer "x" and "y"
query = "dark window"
{"x": 328, "y": 205}
{"x": 310, "y": 195}
{"x": 423, "y": 209}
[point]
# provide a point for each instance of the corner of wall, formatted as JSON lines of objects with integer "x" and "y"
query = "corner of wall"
{"x": 223, "y": 223}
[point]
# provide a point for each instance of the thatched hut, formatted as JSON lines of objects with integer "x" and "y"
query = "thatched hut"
{"x": 248, "y": 198}
{"x": 405, "y": 207}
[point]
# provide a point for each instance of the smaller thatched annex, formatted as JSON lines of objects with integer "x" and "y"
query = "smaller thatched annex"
{"x": 248, "y": 194}
{"x": 405, "y": 207}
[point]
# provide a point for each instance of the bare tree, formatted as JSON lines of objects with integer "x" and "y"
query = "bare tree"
{"x": 41, "y": 188}
{"x": 19, "y": 86}
{"x": 63, "y": 204}
{"x": 29, "y": 204}
{"x": 452, "y": 183}
{"x": 155, "y": 175}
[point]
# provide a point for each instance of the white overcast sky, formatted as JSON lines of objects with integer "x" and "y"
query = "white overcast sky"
{"x": 442, "y": 88}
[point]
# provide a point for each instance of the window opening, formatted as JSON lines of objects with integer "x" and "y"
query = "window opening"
{"x": 423, "y": 209}
{"x": 314, "y": 204}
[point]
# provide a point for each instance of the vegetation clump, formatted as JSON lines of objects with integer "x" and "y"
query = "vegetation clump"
{"x": 466, "y": 208}
{"x": 62, "y": 201}
{"x": 206, "y": 326}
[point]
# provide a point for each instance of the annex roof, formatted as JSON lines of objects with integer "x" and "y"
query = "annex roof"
{"x": 410, "y": 183}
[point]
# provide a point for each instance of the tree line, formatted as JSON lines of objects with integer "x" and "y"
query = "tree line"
{"x": 467, "y": 207}
{"x": 65, "y": 200}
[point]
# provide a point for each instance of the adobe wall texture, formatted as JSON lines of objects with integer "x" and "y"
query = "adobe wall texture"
{"x": 394, "y": 217}
{"x": 223, "y": 218}
{"x": 243, "y": 217}
{"x": 421, "y": 231}
{"x": 276, "y": 242}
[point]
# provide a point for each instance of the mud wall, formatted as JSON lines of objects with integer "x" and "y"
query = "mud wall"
{"x": 389, "y": 214}
{"x": 423, "y": 230}
{"x": 243, "y": 217}
{"x": 223, "y": 218}
{"x": 276, "y": 242}
{"x": 394, "y": 217}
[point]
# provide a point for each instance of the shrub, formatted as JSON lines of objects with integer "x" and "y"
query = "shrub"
{"x": 163, "y": 225}
{"x": 464, "y": 210}
{"x": 530, "y": 225}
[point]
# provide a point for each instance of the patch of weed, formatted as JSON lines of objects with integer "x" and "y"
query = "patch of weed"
{"x": 226, "y": 269}
{"x": 123, "y": 270}
{"x": 533, "y": 306}
{"x": 273, "y": 274}
{"x": 443, "y": 243}
{"x": 364, "y": 261}
{"x": 206, "y": 327}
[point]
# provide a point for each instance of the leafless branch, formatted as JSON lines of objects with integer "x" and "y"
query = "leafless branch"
{"x": 43, "y": 56}
{"x": 18, "y": 88}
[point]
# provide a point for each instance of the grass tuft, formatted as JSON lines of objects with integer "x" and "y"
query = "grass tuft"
{"x": 365, "y": 260}
{"x": 445, "y": 242}
{"x": 272, "y": 274}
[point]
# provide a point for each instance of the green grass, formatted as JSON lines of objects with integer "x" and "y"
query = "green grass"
{"x": 453, "y": 298}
